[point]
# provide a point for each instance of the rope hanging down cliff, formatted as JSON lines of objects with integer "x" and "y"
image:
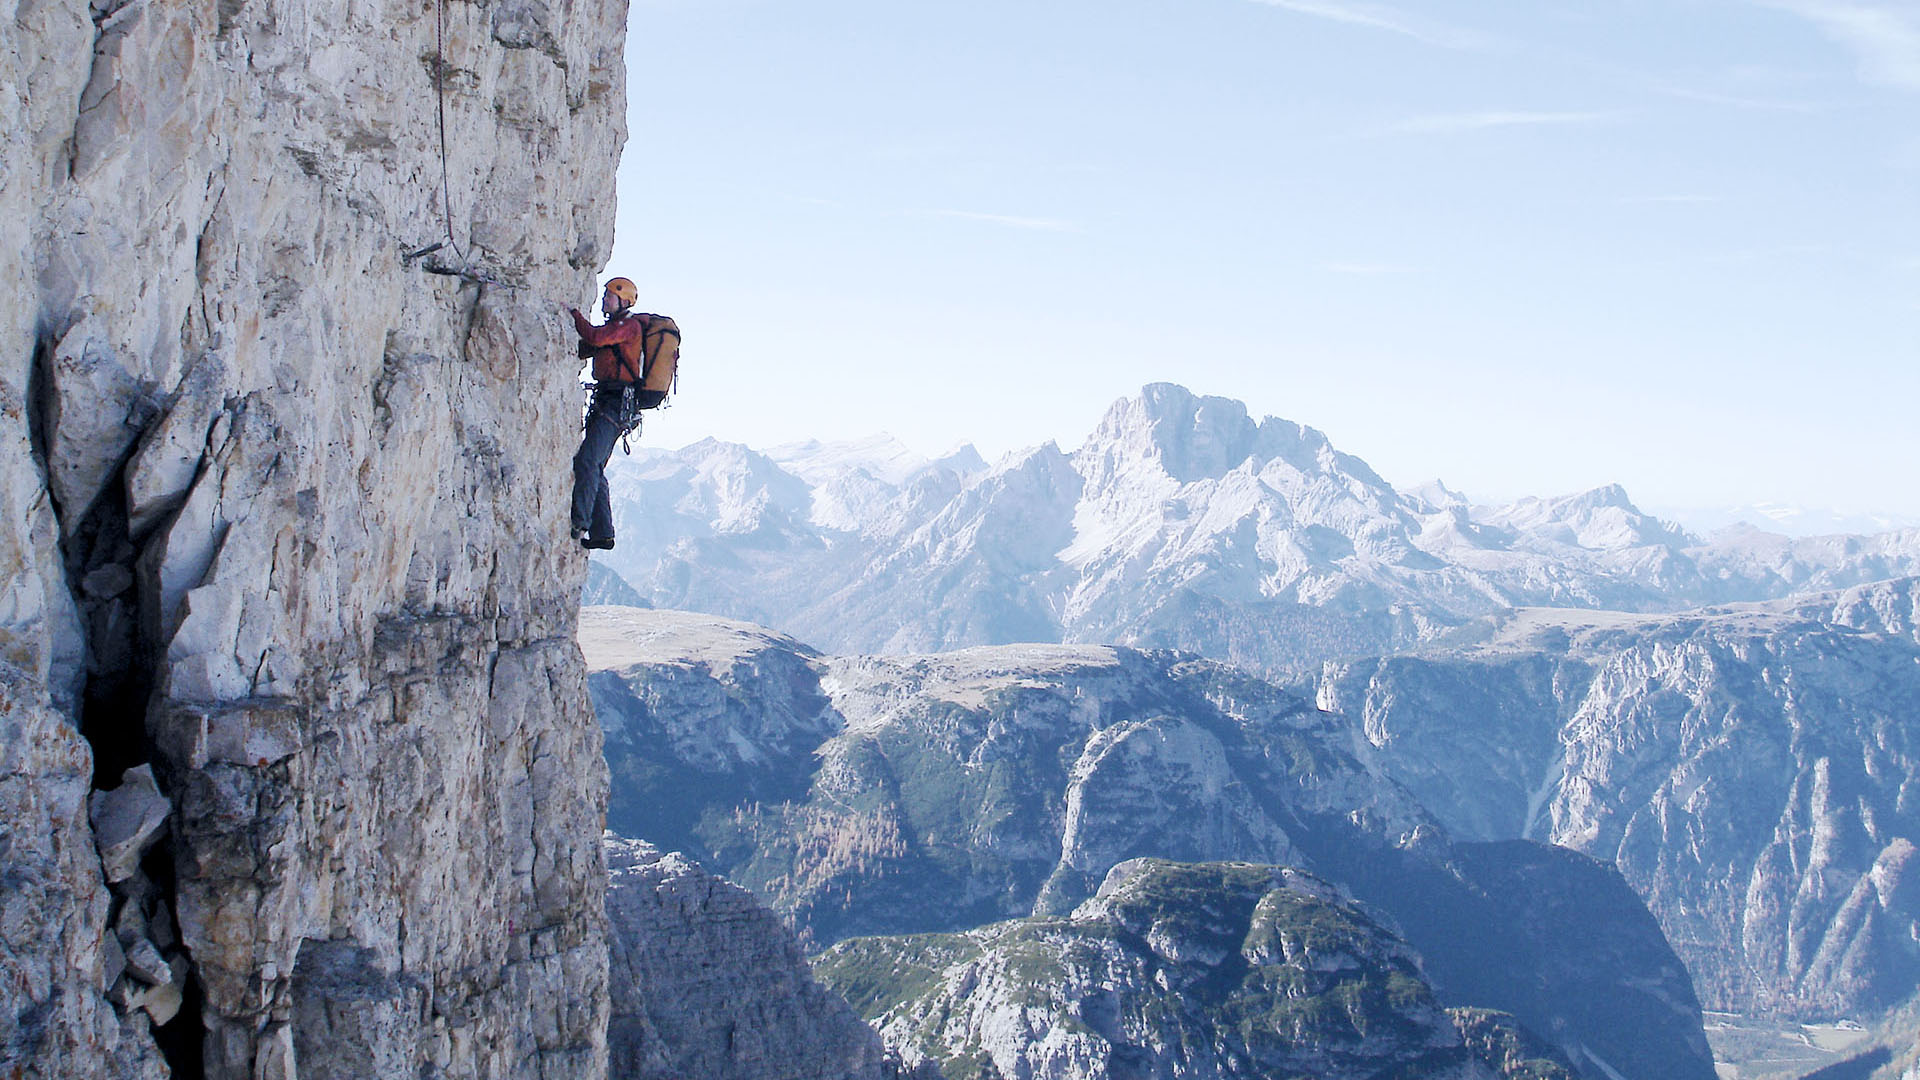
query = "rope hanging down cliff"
{"x": 440, "y": 108}
{"x": 463, "y": 267}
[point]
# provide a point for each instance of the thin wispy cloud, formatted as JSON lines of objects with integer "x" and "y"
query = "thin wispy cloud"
{"x": 1369, "y": 269}
{"x": 1452, "y": 123}
{"x": 1730, "y": 88}
{"x": 1008, "y": 220}
{"x": 935, "y": 148}
{"x": 1667, "y": 200}
{"x": 1885, "y": 38}
{"x": 1733, "y": 101}
{"x": 1799, "y": 253}
{"x": 1391, "y": 20}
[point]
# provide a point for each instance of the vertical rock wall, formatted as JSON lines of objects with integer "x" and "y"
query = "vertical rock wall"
{"x": 282, "y": 512}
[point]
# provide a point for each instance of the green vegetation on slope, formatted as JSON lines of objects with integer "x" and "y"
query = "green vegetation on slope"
{"x": 1201, "y": 969}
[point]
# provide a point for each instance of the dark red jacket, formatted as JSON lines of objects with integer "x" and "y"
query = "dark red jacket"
{"x": 616, "y": 346}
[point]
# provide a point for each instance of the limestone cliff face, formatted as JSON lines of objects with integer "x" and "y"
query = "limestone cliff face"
{"x": 708, "y": 982}
{"x": 280, "y": 503}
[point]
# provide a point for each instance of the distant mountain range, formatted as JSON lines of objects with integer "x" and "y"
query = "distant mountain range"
{"x": 1182, "y": 522}
{"x": 1785, "y": 518}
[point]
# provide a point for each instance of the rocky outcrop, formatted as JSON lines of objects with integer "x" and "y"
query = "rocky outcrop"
{"x": 865, "y": 795}
{"x": 285, "y": 407}
{"x": 1496, "y": 1040}
{"x": 604, "y": 587}
{"x": 707, "y": 982}
{"x": 1748, "y": 769}
{"x": 1178, "y": 970}
{"x": 742, "y": 706}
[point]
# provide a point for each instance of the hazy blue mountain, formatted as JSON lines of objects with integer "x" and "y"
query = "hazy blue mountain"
{"x": 706, "y": 982}
{"x": 1786, "y": 518}
{"x": 1181, "y": 522}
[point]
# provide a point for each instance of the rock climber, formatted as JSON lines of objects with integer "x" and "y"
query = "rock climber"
{"x": 626, "y": 379}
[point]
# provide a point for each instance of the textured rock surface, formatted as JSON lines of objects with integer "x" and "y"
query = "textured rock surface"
{"x": 1509, "y": 1049}
{"x": 1172, "y": 970}
{"x": 1751, "y": 771}
{"x": 1182, "y": 522}
{"x": 278, "y": 502}
{"x": 58, "y": 953}
{"x": 707, "y": 982}
{"x": 742, "y": 706}
{"x": 884, "y": 796}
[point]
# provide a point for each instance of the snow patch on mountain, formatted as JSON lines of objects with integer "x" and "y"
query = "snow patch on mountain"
{"x": 1180, "y": 522}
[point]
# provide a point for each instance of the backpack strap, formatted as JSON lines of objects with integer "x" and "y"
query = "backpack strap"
{"x": 620, "y": 355}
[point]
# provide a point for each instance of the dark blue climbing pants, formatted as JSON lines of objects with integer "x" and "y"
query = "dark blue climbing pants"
{"x": 609, "y": 415}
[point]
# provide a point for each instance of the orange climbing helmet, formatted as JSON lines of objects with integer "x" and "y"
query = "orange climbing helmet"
{"x": 625, "y": 290}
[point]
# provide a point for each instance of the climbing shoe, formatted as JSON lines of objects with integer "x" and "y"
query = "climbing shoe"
{"x": 592, "y": 544}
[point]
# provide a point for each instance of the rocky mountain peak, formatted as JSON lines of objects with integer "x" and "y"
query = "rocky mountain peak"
{"x": 733, "y": 489}
{"x": 963, "y": 460}
{"x": 1168, "y": 427}
{"x": 1434, "y": 497}
{"x": 1602, "y": 518}
{"x": 881, "y": 456}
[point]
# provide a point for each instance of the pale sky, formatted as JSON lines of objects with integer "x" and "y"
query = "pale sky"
{"x": 1526, "y": 246}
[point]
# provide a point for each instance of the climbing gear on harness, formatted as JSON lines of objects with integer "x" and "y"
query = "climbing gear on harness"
{"x": 621, "y": 403}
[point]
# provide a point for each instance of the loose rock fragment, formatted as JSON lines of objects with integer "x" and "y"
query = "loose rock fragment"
{"x": 145, "y": 963}
{"x": 126, "y": 820}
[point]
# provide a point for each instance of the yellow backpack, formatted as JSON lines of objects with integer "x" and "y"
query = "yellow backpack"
{"x": 661, "y": 345}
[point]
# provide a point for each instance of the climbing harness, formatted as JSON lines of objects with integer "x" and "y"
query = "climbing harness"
{"x": 626, "y": 412}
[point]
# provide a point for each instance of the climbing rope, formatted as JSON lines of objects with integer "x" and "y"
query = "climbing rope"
{"x": 440, "y": 89}
{"x": 461, "y": 265}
